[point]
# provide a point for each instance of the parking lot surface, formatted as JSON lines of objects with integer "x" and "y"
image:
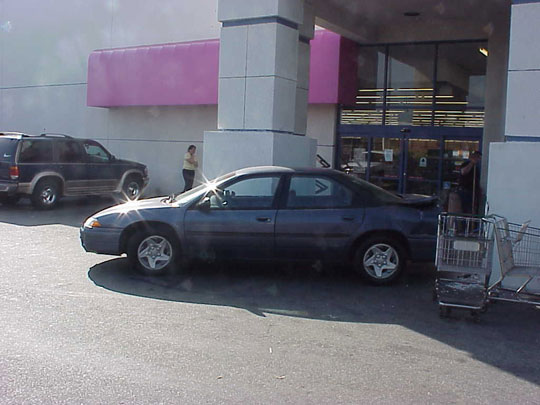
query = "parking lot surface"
{"x": 82, "y": 328}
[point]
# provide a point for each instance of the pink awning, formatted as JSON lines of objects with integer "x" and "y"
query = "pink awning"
{"x": 187, "y": 73}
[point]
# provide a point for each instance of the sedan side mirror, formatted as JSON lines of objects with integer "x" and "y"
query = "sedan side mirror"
{"x": 204, "y": 204}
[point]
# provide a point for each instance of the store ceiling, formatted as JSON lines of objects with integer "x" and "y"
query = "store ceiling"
{"x": 384, "y": 20}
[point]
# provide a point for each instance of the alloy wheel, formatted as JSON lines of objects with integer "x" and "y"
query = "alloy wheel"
{"x": 133, "y": 190}
{"x": 381, "y": 261}
{"x": 48, "y": 195}
{"x": 154, "y": 253}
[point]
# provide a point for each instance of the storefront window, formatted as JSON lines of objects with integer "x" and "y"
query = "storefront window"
{"x": 368, "y": 108}
{"x": 460, "y": 87}
{"x": 420, "y": 85}
{"x": 410, "y": 84}
{"x": 405, "y": 92}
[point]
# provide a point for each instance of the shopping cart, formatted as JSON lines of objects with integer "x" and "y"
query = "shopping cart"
{"x": 464, "y": 257}
{"x": 516, "y": 275}
{"x": 469, "y": 277}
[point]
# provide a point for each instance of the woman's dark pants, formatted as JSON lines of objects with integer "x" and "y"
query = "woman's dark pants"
{"x": 189, "y": 176}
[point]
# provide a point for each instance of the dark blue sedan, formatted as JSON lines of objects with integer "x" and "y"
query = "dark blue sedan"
{"x": 272, "y": 214}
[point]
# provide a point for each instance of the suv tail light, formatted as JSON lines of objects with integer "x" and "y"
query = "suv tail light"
{"x": 14, "y": 172}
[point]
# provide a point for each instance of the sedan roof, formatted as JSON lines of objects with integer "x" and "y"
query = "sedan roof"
{"x": 283, "y": 169}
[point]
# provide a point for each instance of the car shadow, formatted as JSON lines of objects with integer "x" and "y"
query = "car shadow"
{"x": 70, "y": 211}
{"x": 505, "y": 338}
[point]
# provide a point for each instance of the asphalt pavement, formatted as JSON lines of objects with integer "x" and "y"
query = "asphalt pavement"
{"x": 78, "y": 328}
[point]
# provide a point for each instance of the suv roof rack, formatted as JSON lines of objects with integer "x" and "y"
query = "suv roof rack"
{"x": 12, "y": 133}
{"x": 55, "y": 134}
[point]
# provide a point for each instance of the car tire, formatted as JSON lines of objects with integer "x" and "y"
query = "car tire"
{"x": 9, "y": 200}
{"x": 132, "y": 188}
{"x": 153, "y": 253}
{"x": 380, "y": 260}
{"x": 46, "y": 194}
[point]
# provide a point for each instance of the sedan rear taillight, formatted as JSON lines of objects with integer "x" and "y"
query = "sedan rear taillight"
{"x": 14, "y": 172}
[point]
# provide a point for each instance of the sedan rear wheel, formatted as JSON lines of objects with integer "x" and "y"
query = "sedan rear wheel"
{"x": 153, "y": 253}
{"x": 379, "y": 260}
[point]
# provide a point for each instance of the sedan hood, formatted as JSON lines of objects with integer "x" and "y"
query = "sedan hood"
{"x": 151, "y": 203}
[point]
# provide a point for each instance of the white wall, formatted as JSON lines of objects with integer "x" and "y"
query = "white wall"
{"x": 321, "y": 126}
{"x": 514, "y": 167}
{"x": 159, "y": 137}
{"x": 48, "y": 41}
{"x": 523, "y": 102}
{"x": 513, "y": 181}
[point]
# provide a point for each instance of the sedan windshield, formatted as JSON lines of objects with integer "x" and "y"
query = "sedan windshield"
{"x": 201, "y": 189}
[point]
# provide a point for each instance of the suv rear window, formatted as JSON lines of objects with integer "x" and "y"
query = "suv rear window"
{"x": 36, "y": 151}
{"x": 8, "y": 147}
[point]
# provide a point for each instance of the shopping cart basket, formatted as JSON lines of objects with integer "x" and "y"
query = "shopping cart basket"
{"x": 464, "y": 256}
{"x": 517, "y": 276}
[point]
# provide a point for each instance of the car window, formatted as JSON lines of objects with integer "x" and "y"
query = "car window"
{"x": 251, "y": 193}
{"x": 69, "y": 151}
{"x": 36, "y": 151}
{"x": 318, "y": 192}
{"x": 95, "y": 153}
{"x": 7, "y": 149}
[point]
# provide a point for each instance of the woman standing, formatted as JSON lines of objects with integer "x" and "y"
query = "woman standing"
{"x": 190, "y": 165}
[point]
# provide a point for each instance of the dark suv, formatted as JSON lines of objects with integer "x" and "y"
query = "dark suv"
{"x": 48, "y": 166}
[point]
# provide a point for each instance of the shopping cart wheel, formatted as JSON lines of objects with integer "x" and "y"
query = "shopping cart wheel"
{"x": 475, "y": 315}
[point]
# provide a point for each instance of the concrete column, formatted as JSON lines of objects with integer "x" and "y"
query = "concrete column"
{"x": 496, "y": 76}
{"x": 305, "y": 34}
{"x": 261, "y": 102}
{"x": 513, "y": 186}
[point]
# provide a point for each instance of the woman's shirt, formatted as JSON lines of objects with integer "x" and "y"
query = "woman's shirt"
{"x": 187, "y": 164}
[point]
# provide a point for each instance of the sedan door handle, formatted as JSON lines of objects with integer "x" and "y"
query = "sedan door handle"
{"x": 347, "y": 218}
{"x": 263, "y": 219}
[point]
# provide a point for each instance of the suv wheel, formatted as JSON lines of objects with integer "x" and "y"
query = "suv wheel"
{"x": 46, "y": 194}
{"x": 153, "y": 252}
{"x": 379, "y": 260}
{"x": 132, "y": 187}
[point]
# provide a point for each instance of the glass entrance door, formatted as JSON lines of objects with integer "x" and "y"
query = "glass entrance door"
{"x": 407, "y": 160}
{"x": 386, "y": 161}
{"x": 456, "y": 151}
{"x": 421, "y": 174}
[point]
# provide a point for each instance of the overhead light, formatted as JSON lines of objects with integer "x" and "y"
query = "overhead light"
{"x": 411, "y": 13}
{"x": 483, "y": 51}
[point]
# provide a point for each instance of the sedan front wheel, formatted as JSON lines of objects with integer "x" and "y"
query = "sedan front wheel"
{"x": 379, "y": 260}
{"x": 153, "y": 253}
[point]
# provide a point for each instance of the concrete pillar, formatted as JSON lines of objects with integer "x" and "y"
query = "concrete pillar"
{"x": 513, "y": 188}
{"x": 496, "y": 77}
{"x": 262, "y": 103}
{"x": 305, "y": 34}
